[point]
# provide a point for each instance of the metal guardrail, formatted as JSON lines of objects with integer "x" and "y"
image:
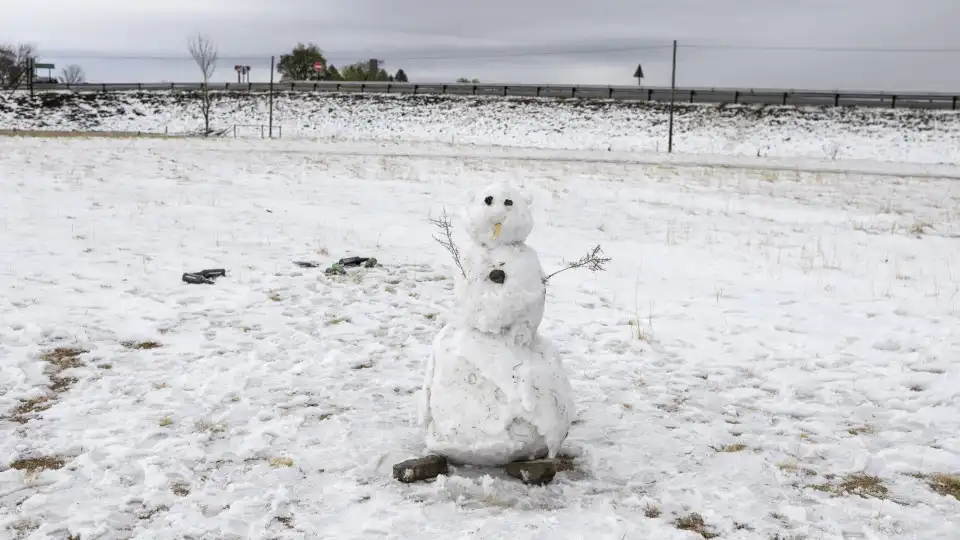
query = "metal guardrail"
{"x": 926, "y": 100}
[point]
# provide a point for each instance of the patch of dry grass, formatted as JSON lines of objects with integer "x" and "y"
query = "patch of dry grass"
{"x": 149, "y": 513}
{"x": 861, "y": 430}
{"x": 730, "y": 448}
{"x": 141, "y": 345}
{"x": 180, "y": 488}
{"x": 281, "y": 462}
{"x": 947, "y": 485}
{"x": 33, "y": 465}
{"x": 693, "y": 522}
{"x": 63, "y": 358}
{"x": 22, "y": 528}
{"x": 862, "y": 485}
{"x": 59, "y": 360}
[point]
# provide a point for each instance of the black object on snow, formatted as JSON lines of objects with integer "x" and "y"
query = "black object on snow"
{"x": 347, "y": 262}
{"x": 203, "y": 276}
{"x": 213, "y": 273}
{"x": 498, "y": 276}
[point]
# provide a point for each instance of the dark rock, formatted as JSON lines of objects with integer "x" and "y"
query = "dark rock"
{"x": 537, "y": 472}
{"x": 419, "y": 469}
{"x": 371, "y": 262}
{"x": 306, "y": 264}
{"x": 498, "y": 276}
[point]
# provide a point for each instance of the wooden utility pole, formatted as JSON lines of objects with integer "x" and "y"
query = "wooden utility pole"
{"x": 271, "y": 95}
{"x": 673, "y": 95}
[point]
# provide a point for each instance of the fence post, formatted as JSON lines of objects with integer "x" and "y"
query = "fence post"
{"x": 271, "y": 101}
{"x": 954, "y": 102}
{"x": 893, "y": 102}
{"x": 673, "y": 96}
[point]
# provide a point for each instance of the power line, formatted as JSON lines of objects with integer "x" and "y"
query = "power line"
{"x": 482, "y": 55}
{"x": 821, "y": 49}
{"x": 519, "y": 54}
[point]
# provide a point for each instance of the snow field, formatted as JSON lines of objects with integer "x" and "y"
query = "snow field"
{"x": 761, "y": 342}
{"x": 834, "y": 134}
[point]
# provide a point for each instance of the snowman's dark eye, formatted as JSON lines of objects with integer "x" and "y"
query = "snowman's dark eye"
{"x": 488, "y": 200}
{"x": 508, "y": 202}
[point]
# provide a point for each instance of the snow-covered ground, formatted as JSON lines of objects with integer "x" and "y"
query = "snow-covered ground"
{"x": 832, "y": 133}
{"x": 764, "y": 347}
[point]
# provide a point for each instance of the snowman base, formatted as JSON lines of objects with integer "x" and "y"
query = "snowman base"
{"x": 536, "y": 472}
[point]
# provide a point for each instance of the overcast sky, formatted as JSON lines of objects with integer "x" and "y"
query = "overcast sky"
{"x": 545, "y": 41}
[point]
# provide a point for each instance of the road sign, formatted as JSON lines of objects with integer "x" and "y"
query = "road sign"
{"x": 44, "y": 66}
{"x": 639, "y": 72}
{"x": 318, "y": 66}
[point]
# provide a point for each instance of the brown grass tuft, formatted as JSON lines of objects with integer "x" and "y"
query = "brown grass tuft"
{"x": 141, "y": 345}
{"x": 59, "y": 360}
{"x": 180, "y": 488}
{"x": 862, "y": 430}
{"x": 730, "y": 448}
{"x": 63, "y": 358}
{"x": 856, "y": 484}
{"x": 947, "y": 485}
{"x": 694, "y": 522}
{"x": 36, "y": 464}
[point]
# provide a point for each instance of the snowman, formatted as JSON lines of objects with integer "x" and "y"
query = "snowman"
{"x": 494, "y": 390}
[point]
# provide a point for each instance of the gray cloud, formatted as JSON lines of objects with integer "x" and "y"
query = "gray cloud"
{"x": 558, "y": 41}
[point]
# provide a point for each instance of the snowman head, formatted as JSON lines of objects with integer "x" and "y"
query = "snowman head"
{"x": 498, "y": 214}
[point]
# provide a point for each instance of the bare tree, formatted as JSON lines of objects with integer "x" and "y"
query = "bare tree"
{"x": 15, "y": 65}
{"x": 204, "y": 53}
{"x": 73, "y": 74}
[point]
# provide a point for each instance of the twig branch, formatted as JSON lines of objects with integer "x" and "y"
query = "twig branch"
{"x": 593, "y": 261}
{"x": 447, "y": 239}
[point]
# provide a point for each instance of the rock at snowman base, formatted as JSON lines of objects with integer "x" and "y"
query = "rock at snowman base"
{"x": 419, "y": 469}
{"x": 536, "y": 472}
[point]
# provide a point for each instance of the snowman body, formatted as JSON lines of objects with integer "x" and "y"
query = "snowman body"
{"x": 495, "y": 390}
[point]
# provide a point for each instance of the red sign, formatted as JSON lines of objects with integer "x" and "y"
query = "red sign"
{"x": 318, "y": 66}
